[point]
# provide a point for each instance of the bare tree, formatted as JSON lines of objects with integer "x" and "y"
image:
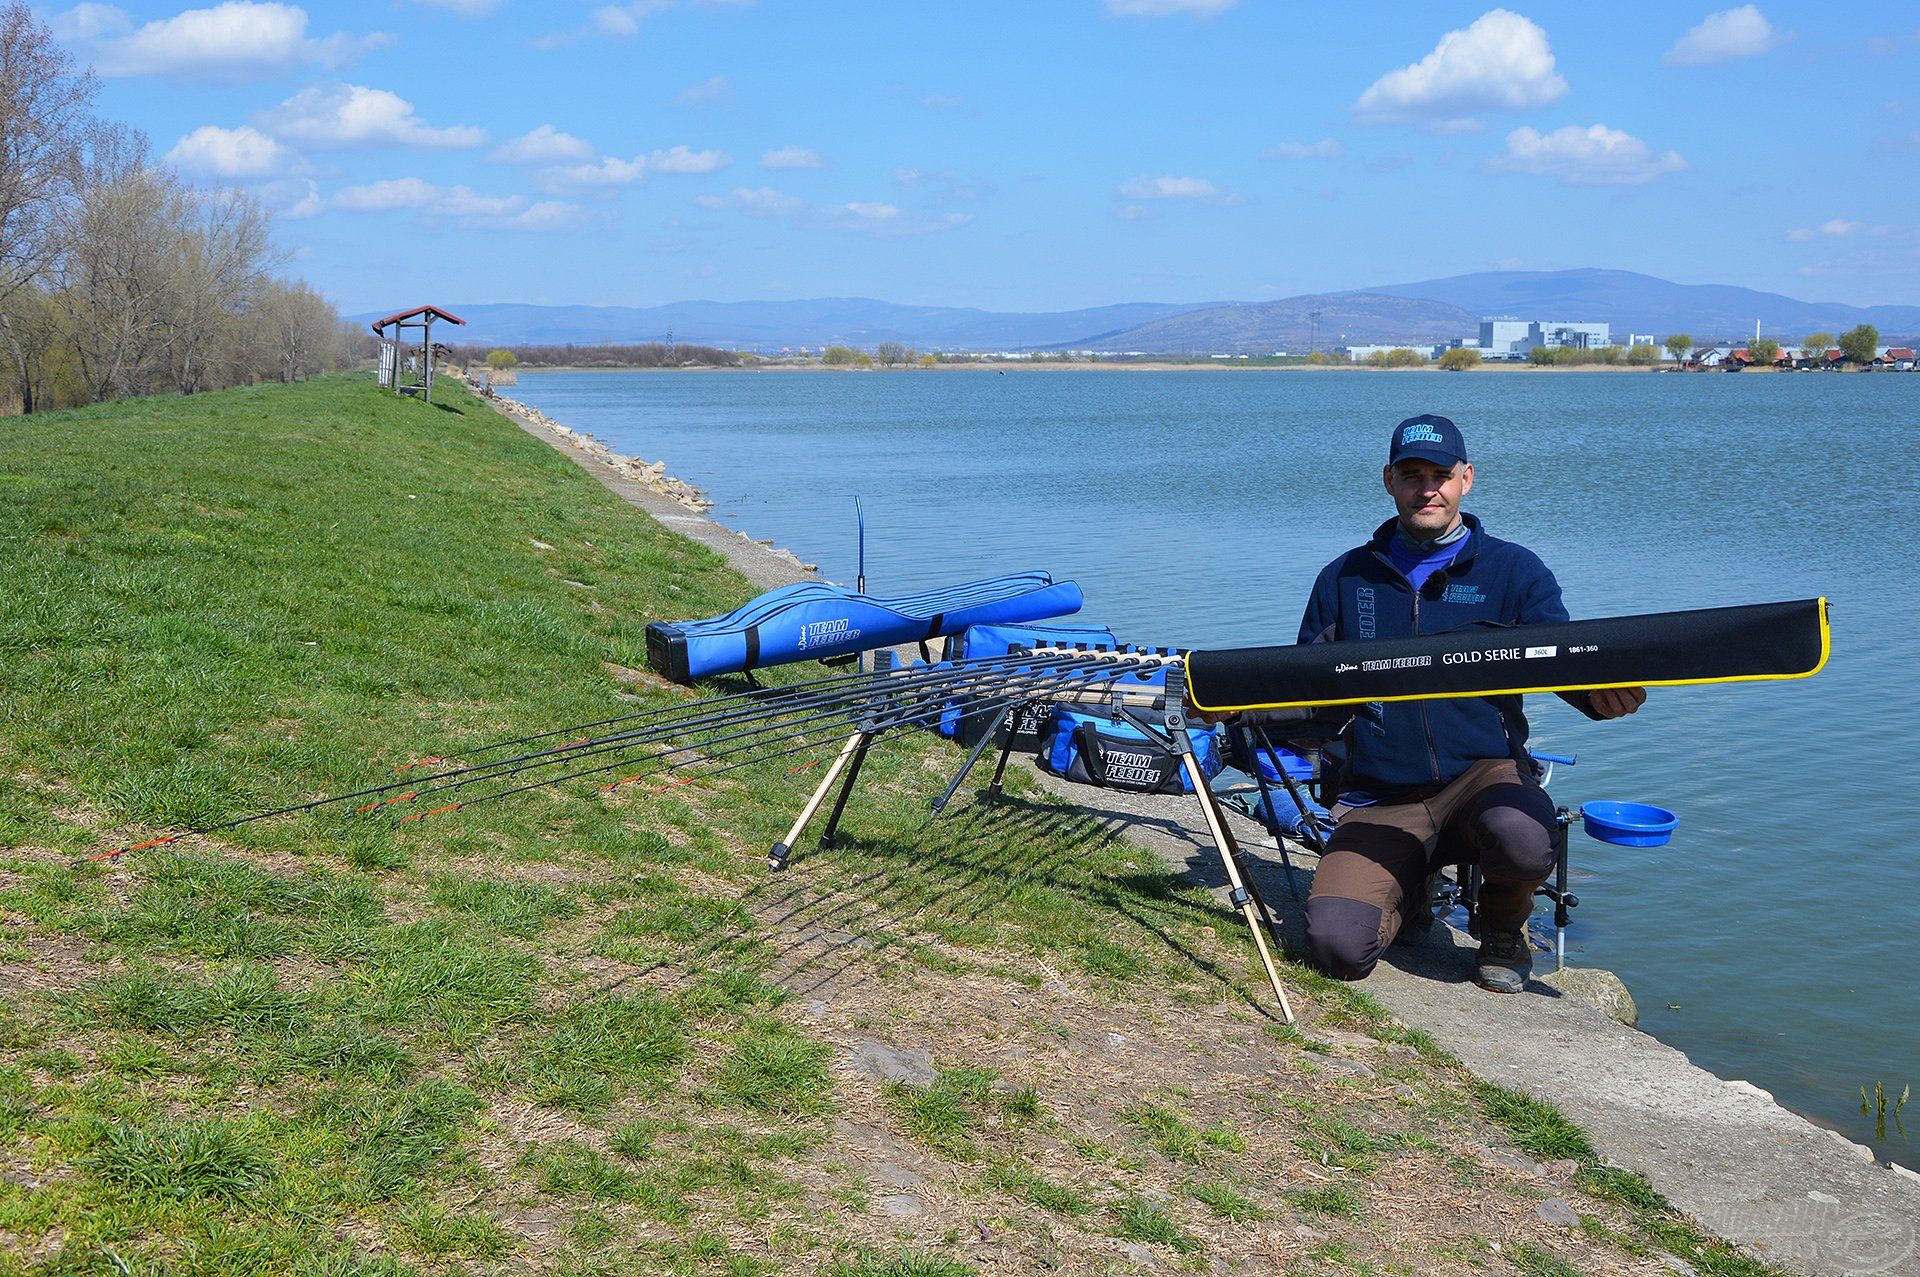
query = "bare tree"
{"x": 120, "y": 270}
{"x": 45, "y": 110}
{"x": 295, "y": 331}
{"x": 222, "y": 260}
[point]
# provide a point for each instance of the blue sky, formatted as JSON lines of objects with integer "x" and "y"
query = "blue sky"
{"x": 1031, "y": 156}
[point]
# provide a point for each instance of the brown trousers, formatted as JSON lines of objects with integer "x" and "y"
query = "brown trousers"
{"x": 1375, "y": 871}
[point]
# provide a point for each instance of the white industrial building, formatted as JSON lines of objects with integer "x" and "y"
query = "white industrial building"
{"x": 1505, "y": 337}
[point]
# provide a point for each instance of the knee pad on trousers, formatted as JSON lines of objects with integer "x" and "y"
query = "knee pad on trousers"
{"x": 1343, "y": 936}
{"x": 1517, "y": 826}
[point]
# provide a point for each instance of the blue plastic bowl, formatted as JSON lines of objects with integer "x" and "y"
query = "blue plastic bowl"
{"x": 1628, "y": 824}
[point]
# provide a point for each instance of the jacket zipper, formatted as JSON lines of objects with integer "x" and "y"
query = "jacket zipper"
{"x": 1426, "y": 726}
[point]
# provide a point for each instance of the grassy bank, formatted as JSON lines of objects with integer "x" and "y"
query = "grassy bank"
{"x": 585, "y": 1033}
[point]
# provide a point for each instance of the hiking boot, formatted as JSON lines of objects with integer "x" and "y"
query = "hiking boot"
{"x": 1505, "y": 961}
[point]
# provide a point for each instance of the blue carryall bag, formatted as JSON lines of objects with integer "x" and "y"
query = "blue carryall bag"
{"x": 1029, "y": 722}
{"x": 1092, "y": 749}
{"x": 816, "y": 620}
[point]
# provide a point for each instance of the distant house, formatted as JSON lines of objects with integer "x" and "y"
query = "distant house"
{"x": 1708, "y": 357}
{"x": 1739, "y": 359}
{"x": 1896, "y": 357}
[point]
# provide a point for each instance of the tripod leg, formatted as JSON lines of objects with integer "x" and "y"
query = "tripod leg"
{"x": 979, "y": 748}
{"x": 1241, "y": 898}
{"x": 1006, "y": 752}
{"x": 846, "y": 789}
{"x": 1562, "y": 902}
{"x": 778, "y": 853}
{"x": 1266, "y": 797}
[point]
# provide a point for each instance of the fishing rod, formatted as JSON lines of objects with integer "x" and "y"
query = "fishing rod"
{"x": 657, "y": 711}
{"x": 927, "y": 705}
{"x": 763, "y": 702}
{"x": 813, "y": 687}
{"x": 939, "y": 683}
{"x": 939, "y": 690}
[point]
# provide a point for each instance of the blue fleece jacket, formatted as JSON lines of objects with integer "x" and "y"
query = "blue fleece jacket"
{"x": 1399, "y": 746}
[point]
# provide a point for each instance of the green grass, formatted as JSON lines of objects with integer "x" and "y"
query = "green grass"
{"x": 1175, "y": 1137}
{"x": 900, "y": 1263}
{"x": 950, "y": 1115}
{"x": 1031, "y": 1186}
{"x": 1331, "y": 1200}
{"x": 181, "y": 1159}
{"x": 776, "y": 1070}
{"x": 1225, "y": 1202}
{"x": 1137, "y": 1219}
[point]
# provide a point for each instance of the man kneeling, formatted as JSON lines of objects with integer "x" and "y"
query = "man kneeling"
{"x": 1419, "y": 775}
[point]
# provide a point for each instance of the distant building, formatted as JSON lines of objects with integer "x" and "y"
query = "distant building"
{"x": 1504, "y": 337}
{"x": 1556, "y": 333}
{"x": 1426, "y": 350}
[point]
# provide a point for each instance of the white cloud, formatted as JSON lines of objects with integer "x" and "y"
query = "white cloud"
{"x": 611, "y": 170}
{"x": 1325, "y": 149}
{"x": 792, "y": 157}
{"x": 1134, "y": 213}
{"x": 1725, "y": 36}
{"x": 237, "y": 40}
{"x": 1174, "y": 188}
{"x": 1500, "y": 63}
{"x": 707, "y": 92}
{"x": 869, "y": 212}
{"x": 349, "y": 115}
{"x": 679, "y": 159}
{"x": 868, "y": 216}
{"x": 623, "y": 20}
{"x": 1833, "y": 228}
{"x": 384, "y": 197}
{"x": 294, "y": 198}
{"x": 544, "y": 145}
{"x": 1165, "y": 8}
{"x": 460, "y": 203}
{"x": 942, "y": 101}
{"x": 211, "y": 151}
{"x": 1593, "y": 156}
{"x": 465, "y": 8}
{"x": 761, "y": 201}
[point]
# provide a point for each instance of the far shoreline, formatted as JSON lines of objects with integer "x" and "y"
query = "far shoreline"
{"x": 1013, "y": 365}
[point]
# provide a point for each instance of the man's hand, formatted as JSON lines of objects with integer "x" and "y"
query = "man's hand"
{"x": 1617, "y": 702}
{"x": 1201, "y": 716}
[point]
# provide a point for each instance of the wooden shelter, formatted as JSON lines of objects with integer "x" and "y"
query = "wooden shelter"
{"x": 400, "y": 364}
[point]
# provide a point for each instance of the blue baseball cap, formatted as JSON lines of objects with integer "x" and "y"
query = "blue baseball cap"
{"x": 1429, "y": 438}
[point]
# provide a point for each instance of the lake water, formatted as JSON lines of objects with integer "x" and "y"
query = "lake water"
{"x": 1773, "y": 940}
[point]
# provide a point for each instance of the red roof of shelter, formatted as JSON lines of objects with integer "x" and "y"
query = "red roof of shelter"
{"x": 1900, "y": 352}
{"x": 378, "y": 324}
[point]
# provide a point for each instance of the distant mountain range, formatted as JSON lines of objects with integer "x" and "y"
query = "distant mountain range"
{"x": 1644, "y": 304}
{"x": 1428, "y": 311}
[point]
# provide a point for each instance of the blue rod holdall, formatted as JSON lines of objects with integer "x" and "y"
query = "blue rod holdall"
{"x": 816, "y": 620}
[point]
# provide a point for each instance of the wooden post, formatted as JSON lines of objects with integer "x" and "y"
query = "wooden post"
{"x": 426, "y": 356}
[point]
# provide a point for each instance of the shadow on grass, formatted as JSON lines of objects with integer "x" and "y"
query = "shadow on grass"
{"x": 1018, "y": 873}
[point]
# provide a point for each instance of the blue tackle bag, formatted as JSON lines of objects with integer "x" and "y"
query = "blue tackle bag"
{"x": 1092, "y": 749}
